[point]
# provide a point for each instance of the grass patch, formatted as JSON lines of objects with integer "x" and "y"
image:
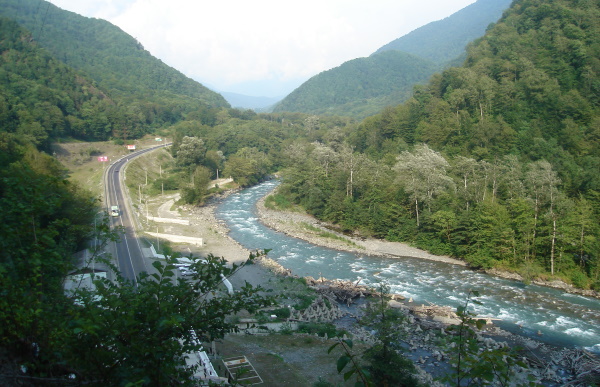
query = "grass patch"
{"x": 279, "y": 202}
{"x": 321, "y": 329}
{"x": 305, "y": 359}
{"x": 327, "y": 234}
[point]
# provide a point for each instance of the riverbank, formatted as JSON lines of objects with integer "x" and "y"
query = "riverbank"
{"x": 308, "y": 228}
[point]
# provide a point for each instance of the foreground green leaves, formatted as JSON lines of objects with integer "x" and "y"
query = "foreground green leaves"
{"x": 474, "y": 365}
{"x": 123, "y": 334}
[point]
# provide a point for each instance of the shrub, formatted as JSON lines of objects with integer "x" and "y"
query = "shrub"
{"x": 286, "y": 329}
{"x": 579, "y": 279}
{"x": 305, "y": 301}
{"x": 277, "y": 201}
{"x": 282, "y": 312}
{"x": 319, "y": 328}
{"x": 480, "y": 259}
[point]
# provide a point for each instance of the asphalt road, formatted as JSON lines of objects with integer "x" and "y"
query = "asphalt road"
{"x": 127, "y": 252}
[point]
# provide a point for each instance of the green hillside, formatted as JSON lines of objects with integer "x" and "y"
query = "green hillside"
{"x": 360, "y": 87}
{"x": 496, "y": 162}
{"x": 43, "y": 99}
{"x": 444, "y": 40}
{"x": 364, "y": 86}
{"x": 115, "y": 60}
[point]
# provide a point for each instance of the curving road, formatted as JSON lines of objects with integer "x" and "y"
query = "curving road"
{"x": 127, "y": 252}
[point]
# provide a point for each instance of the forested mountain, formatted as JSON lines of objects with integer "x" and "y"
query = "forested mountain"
{"x": 360, "y": 87}
{"x": 43, "y": 99}
{"x": 497, "y": 162}
{"x": 363, "y": 86}
{"x": 103, "y": 51}
{"x": 444, "y": 40}
{"x": 144, "y": 93}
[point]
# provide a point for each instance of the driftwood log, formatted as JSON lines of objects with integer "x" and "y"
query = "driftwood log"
{"x": 581, "y": 363}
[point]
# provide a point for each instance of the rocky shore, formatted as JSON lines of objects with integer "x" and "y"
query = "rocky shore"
{"x": 425, "y": 329}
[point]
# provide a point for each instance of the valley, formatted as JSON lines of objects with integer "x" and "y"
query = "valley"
{"x": 457, "y": 172}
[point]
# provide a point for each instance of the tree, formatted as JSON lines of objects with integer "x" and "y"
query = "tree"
{"x": 351, "y": 164}
{"x": 543, "y": 182}
{"x": 324, "y": 156}
{"x": 124, "y": 334}
{"x": 445, "y": 221}
{"x": 423, "y": 174}
{"x": 191, "y": 151}
{"x": 476, "y": 366}
{"x": 247, "y": 166}
{"x": 214, "y": 160}
{"x": 195, "y": 192}
{"x": 467, "y": 169}
{"x": 492, "y": 235}
{"x": 387, "y": 366}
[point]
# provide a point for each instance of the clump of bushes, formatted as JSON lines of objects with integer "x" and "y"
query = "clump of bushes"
{"x": 320, "y": 329}
{"x": 304, "y": 301}
{"x": 277, "y": 202}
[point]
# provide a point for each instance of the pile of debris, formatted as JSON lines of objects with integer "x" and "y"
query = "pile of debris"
{"x": 274, "y": 266}
{"x": 341, "y": 291}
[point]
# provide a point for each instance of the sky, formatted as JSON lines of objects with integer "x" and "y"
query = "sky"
{"x": 262, "y": 47}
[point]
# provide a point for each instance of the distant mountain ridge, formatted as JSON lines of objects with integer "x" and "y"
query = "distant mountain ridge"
{"x": 360, "y": 86}
{"x": 346, "y": 91}
{"x": 242, "y": 101}
{"x": 444, "y": 40}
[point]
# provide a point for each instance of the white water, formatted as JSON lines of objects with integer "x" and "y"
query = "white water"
{"x": 561, "y": 318}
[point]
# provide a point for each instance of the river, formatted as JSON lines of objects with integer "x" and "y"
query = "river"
{"x": 539, "y": 312}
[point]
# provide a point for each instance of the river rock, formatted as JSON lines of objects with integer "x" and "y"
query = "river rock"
{"x": 446, "y": 320}
{"x": 396, "y": 304}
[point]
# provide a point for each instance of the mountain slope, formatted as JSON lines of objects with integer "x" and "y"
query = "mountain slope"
{"x": 359, "y": 87}
{"x": 443, "y": 40}
{"x": 365, "y": 86}
{"x": 43, "y": 99}
{"x": 530, "y": 86}
{"x": 107, "y": 54}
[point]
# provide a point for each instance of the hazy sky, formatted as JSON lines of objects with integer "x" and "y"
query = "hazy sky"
{"x": 262, "y": 47}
